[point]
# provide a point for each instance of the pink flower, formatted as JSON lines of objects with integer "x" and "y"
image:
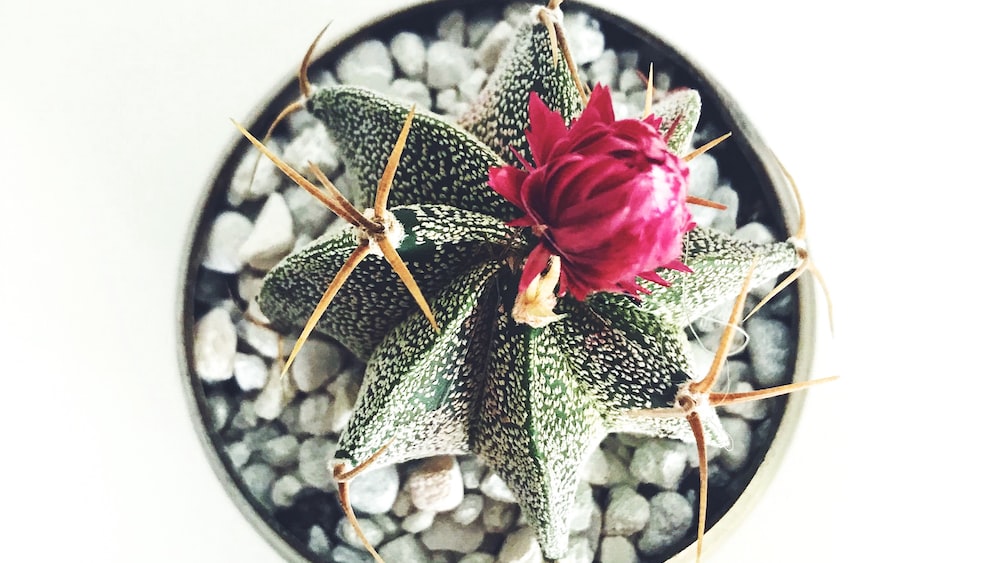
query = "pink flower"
{"x": 606, "y": 196}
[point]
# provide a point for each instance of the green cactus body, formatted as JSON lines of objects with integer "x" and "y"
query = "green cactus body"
{"x": 531, "y": 402}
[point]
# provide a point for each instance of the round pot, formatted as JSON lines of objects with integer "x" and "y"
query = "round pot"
{"x": 254, "y": 457}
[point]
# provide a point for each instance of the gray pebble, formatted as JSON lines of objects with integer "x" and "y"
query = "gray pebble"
{"x": 477, "y": 558}
{"x": 284, "y": 490}
{"x": 498, "y": 517}
{"x": 521, "y": 547}
{"x": 314, "y": 457}
{"x": 312, "y": 414}
{"x": 735, "y": 457}
{"x": 238, "y": 454}
{"x": 318, "y": 361}
{"x": 452, "y": 27}
{"x": 752, "y": 410}
{"x": 388, "y": 523}
{"x": 477, "y": 30}
{"x": 444, "y": 534}
{"x": 245, "y": 417}
{"x": 258, "y": 478}
{"x": 373, "y": 533}
{"x": 318, "y": 543}
{"x": 410, "y": 53}
{"x": 282, "y": 451}
{"x": 222, "y": 250}
{"x": 346, "y": 554}
{"x": 660, "y": 462}
{"x": 277, "y": 392}
{"x": 447, "y": 64}
{"x": 627, "y": 512}
{"x": 579, "y": 551}
{"x": 492, "y": 47}
{"x": 214, "y": 350}
{"x": 374, "y": 490}
{"x": 219, "y": 410}
{"x": 368, "y": 64}
{"x": 468, "y": 510}
{"x": 670, "y": 517}
{"x": 618, "y": 549}
{"x": 472, "y": 471}
{"x": 725, "y": 220}
{"x": 405, "y": 548}
{"x": 769, "y": 348}
{"x": 309, "y": 215}
{"x": 250, "y": 371}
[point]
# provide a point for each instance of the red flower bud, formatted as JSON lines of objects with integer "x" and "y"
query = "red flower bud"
{"x": 606, "y": 196}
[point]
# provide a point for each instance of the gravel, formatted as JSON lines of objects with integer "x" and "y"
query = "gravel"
{"x": 280, "y": 432}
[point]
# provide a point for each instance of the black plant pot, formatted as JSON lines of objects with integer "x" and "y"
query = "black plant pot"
{"x": 743, "y": 160}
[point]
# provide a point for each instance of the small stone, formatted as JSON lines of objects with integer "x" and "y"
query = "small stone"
{"x": 604, "y": 69}
{"x": 312, "y": 145}
{"x": 245, "y": 417}
{"x": 596, "y": 470}
{"x": 309, "y": 215}
{"x": 754, "y": 232}
{"x": 735, "y": 457}
{"x": 445, "y": 535}
{"x": 703, "y": 176}
{"x": 521, "y": 547}
{"x": 418, "y": 521}
{"x": 770, "y": 349}
{"x": 725, "y": 220}
{"x": 318, "y": 542}
{"x": 517, "y": 13}
{"x": 579, "y": 551}
{"x": 447, "y": 64}
{"x": 582, "y": 509}
{"x": 345, "y": 554}
{"x": 586, "y": 41}
{"x": 368, "y": 64}
{"x": 660, "y": 462}
{"x": 272, "y": 236}
{"x": 219, "y": 410}
{"x": 312, "y": 414}
{"x": 495, "y": 488}
{"x": 405, "y": 548}
{"x": 316, "y": 363}
{"x": 452, "y": 27}
{"x": 314, "y": 458}
{"x": 402, "y": 505}
{"x": 222, "y": 250}
{"x": 250, "y": 370}
{"x": 281, "y": 451}
{"x": 493, "y": 45}
{"x": 257, "y": 437}
{"x": 750, "y": 410}
{"x": 258, "y": 479}
{"x": 255, "y": 177}
{"x": 411, "y": 92}
{"x": 670, "y": 517}
{"x": 617, "y": 549}
{"x": 471, "y": 85}
{"x": 238, "y": 453}
{"x": 499, "y": 517}
{"x": 478, "y": 28}
{"x": 345, "y": 394}
{"x": 277, "y": 392}
{"x": 436, "y": 484}
{"x": 284, "y": 490}
{"x": 477, "y": 558}
{"x": 447, "y": 102}
{"x": 410, "y": 53}
{"x": 371, "y": 530}
{"x": 472, "y": 471}
{"x": 214, "y": 350}
{"x": 627, "y": 512}
{"x": 468, "y": 510}
{"x": 374, "y": 490}
{"x": 388, "y": 523}
{"x": 260, "y": 338}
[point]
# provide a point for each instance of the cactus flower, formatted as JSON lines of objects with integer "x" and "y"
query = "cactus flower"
{"x": 604, "y": 195}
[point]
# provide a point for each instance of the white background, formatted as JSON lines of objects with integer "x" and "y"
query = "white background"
{"x": 113, "y": 115}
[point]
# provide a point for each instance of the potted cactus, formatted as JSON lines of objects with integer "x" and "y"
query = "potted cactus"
{"x": 518, "y": 282}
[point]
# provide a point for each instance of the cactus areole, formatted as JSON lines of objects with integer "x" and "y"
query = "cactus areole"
{"x": 554, "y": 245}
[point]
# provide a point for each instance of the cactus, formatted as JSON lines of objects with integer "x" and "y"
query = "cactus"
{"x": 455, "y": 363}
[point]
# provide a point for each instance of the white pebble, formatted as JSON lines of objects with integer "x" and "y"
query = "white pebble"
{"x": 770, "y": 349}
{"x": 617, "y": 549}
{"x": 596, "y": 469}
{"x": 445, "y": 535}
{"x": 375, "y": 490}
{"x": 452, "y": 27}
{"x": 371, "y": 530}
{"x": 276, "y": 394}
{"x": 521, "y": 547}
{"x": 260, "y": 338}
{"x": 671, "y": 515}
{"x": 468, "y": 510}
{"x": 493, "y": 45}
{"x": 750, "y": 410}
{"x": 495, "y": 488}
{"x": 312, "y": 414}
{"x": 725, "y": 220}
{"x": 309, "y": 215}
{"x": 214, "y": 350}
{"x": 411, "y": 92}
{"x": 258, "y": 478}
{"x": 477, "y": 558}
{"x": 627, "y": 512}
{"x": 222, "y": 250}
{"x": 312, "y": 145}
{"x": 755, "y": 232}
{"x": 436, "y": 484}
{"x": 318, "y": 543}
{"x": 316, "y": 363}
{"x": 583, "y": 508}
{"x": 248, "y": 185}
{"x": 418, "y": 521}
{"x": 471, "y": 85}
{"x": 238, "y": 453}
{"x": 405, "y": 548}
{"x": 281, "y": 451}
{"x": 604, "y": 70}
{"x": 660, "y": 462}
{"x": 250, "y": 370}
{"x": 368, "y": 64}
{"x": 410, "y": 53}
{"x": 284, "y": 490}
{"x": 703, "y": 177}
{"x": 447, "y": 64}
{"x": 272, "y": 236}
{"x": 579, "y": 551}
{"x": 735, "y": 457}
{"x": 586, "y": 41}
{"x": 314, "y": 458}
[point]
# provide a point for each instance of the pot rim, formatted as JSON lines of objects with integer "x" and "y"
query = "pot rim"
{"x": 754, "y": 151}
